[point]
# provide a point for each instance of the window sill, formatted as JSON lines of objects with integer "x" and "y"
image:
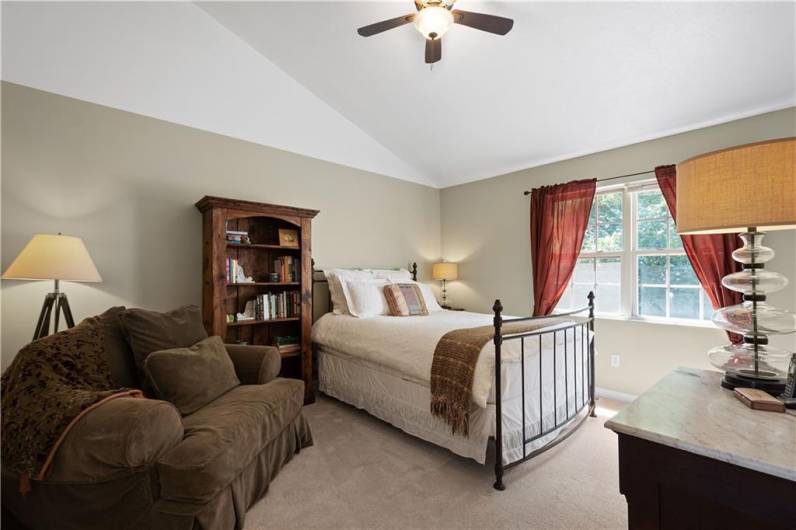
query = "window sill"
{"x": 663, "y": 321}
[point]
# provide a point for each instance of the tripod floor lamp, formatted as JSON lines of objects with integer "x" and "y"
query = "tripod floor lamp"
{"x": 53, "y": 257}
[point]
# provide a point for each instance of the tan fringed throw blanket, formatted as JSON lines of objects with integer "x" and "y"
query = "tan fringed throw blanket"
{"x": 453, "y": 369}
{"x": 50, "y": 384}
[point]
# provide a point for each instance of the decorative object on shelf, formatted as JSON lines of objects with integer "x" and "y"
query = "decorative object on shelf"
{"x": 744, "y": 189}
{"x": 238, "y": 237}
{"x": 288, "y": 238}
{"x": 235, "y": 272}
{"x": 445, "y": 271}
{"x": 53, "y": 257}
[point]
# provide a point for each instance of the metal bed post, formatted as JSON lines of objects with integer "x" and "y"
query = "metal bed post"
{"x": 498, "y": 322}
{"x": 592, "y": 403}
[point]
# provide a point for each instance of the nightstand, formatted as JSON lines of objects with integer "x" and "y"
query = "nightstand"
{"x": 449, "y": 308}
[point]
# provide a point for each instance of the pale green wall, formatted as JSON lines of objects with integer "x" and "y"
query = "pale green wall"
{"x": 485, "y": 227}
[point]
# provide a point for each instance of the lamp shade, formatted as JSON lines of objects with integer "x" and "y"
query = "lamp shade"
{"x": 750, "y": 185}
{"x": 445, "y": 271}
{"x": 53, "y": 257}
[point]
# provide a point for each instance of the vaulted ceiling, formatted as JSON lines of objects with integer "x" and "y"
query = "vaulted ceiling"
{"x": 571, "y": 78}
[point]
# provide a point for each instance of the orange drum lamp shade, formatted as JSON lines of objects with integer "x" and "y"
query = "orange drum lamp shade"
{"x": 53, "y": 257}
{"x": 744, "y": 190}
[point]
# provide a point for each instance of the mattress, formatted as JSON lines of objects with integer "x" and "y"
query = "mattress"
{"x": 383, "y": 365}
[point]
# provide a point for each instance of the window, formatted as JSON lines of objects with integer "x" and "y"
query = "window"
{"x": 645, "y": 275}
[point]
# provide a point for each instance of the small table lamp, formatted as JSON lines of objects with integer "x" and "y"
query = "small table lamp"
{"x": 53, "y": 257}
{"x": 445, "y": 271}
{"x": 743, "y": 189}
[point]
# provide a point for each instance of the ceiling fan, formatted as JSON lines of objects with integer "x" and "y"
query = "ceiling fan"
{"x": 434, "y": 18}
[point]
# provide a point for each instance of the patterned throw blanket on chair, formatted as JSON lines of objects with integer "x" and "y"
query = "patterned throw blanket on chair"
{"x": 453, "y": 369}
{"x": 49, "y": 386}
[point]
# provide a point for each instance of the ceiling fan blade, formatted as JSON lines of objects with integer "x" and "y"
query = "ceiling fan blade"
{"x": 384, "y": 25}
{"x": 433, "y": 50}
{"x": 490, "y": 23}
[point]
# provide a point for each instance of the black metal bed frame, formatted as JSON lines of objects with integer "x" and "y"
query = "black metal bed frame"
{"x": 570, "y": 422}
{"x": 586, "y": 325}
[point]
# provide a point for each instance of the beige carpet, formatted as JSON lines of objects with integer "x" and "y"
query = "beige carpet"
{"x": 364, "y": 473}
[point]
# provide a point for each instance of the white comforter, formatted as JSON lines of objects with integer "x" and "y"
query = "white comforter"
{"x": 407, "y": 344}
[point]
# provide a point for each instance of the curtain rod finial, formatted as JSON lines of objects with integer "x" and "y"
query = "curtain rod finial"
{"x": 526, "y": 192}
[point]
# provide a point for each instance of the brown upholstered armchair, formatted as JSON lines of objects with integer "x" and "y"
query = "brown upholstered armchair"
{"x": 137, "y": 463}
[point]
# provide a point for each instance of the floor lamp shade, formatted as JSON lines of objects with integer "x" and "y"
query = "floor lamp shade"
{"x": 53, "y": 257}
{"x": 742, "y": 190}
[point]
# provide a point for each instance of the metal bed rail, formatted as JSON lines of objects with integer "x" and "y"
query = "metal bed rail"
{"x": 569, "y": 422}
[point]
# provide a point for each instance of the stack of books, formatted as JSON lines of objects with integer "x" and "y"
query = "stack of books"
{"x": 288, "y": 268}
{"x": 287, "y": 345}
{"x": 235, "y": 273}
{"x": 238, "y": 237}
{"x": 271, "y": 306}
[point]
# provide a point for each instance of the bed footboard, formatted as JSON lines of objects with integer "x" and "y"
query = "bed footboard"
{"x": 568, "y": 422}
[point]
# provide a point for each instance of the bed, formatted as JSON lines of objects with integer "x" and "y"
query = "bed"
{"x": 382, "y": 364}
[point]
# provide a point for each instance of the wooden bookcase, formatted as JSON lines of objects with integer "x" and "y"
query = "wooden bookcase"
{"x": 222, "y": 296}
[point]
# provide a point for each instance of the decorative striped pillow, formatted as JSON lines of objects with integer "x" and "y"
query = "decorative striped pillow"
{"x": 405, "y": 299}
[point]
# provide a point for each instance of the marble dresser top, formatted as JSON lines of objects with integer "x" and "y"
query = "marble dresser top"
{"x": 689, "y": 410}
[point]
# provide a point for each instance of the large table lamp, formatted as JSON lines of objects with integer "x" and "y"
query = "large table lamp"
{"x": 53, "y": 257}
{"x": 445, "y": 271}
{"x": 744, "y": 190}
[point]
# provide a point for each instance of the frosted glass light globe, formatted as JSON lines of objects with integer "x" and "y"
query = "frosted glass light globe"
{"x": 433, "y": 21}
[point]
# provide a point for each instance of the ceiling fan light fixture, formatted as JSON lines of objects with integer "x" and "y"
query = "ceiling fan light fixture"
{"x": 433, "y": 21}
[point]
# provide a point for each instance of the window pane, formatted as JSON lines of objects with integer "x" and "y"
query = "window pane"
{"x": 609, "y": 270}
{"x": 652, "y": 301}
{"x": 608, "y": 299}
{"x": 609, "y": 237}
{"x": 708, "y": 306}
{"x": 685, "y": 303}
{"x": 580, "y": 295}
{"x": 566, "y": 300}
{"x": 681, "y": 272}
{"x": 652, "y": 269}
{"x": 651, "y": 205}
{"x": 609, "y": 206}
{"x": 674, "y": 237}
{"x": 652, "y": 235}
{"x": 584, "y": 271}
{"x": 588, "y": 239}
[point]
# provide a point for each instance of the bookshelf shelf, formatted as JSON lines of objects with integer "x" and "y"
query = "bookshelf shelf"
{"x": 263, "y": 246}
{"x": 263, "y": 284}
{"x": 261, "y": 258}
{"x": 256, "y": 322}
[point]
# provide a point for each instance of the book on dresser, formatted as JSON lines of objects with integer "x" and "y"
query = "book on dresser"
{"x": 254, "y": 290}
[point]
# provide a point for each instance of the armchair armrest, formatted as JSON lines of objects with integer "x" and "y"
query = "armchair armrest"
{"x": 255, "y": 365}
{"x": 115, "y": 439}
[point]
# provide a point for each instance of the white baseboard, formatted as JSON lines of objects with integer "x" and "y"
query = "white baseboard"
{"x": 613, "y": 394}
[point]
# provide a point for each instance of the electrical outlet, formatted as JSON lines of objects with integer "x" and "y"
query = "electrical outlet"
{"x": 615, "y": 361}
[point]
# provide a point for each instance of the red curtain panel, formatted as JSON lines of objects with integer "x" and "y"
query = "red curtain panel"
{"x": 559, "y": 216}
{"x": 710, "y": 254}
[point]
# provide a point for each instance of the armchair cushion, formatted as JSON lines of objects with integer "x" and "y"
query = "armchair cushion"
{"x": 224, "y": 437}
{"x": 255, "y": 365}
{"x": 190, "y": 378}
{"x": 149, "y": 331}
{"x": 116, "y": 439}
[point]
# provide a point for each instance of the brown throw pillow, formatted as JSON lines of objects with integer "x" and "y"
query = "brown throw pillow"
{"x": 147, "y": 331}
{"x": 190, "y": 378}
{"x": 405, "y": 299}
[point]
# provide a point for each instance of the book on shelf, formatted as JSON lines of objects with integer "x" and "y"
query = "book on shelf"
{"x": 287, "y": 344}
{"x": 272, "y": 306}
{"x": 288, "y": 268}
{"x": 238, "y": 237}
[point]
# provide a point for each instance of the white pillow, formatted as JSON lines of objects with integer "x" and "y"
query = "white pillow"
{"x": 365, "y": 298}
{"x": 333, "y": 276}
{"x": 394, "y": 275}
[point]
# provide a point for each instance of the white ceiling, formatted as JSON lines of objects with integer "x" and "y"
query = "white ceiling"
{"x": 570, "y": 79}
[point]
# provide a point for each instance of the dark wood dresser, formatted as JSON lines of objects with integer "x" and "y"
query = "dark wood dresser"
{"x": 691, "y": 456}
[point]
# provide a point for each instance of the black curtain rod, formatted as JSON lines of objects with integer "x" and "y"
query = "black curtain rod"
{"x": 527, "y": 192}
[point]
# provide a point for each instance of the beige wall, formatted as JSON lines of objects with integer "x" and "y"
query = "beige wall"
{"x": 485, "y": 227}
{"x": 126, "y": 184}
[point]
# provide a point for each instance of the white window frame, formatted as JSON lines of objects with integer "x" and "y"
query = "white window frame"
{"x": 628, "y": 257}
